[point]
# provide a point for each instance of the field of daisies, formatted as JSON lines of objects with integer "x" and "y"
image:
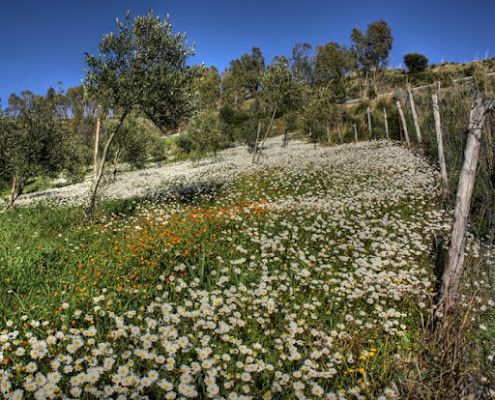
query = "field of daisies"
{"x": 308, "y": 276}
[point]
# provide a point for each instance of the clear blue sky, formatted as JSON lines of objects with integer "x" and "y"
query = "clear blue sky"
{"x": 43, "y": 42}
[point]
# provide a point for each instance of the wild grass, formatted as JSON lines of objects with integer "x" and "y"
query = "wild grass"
{"x": 307, "y": 279}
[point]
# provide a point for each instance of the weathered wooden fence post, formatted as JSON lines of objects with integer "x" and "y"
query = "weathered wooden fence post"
{"x": 438, "y": 129}
{"x": 449, "y": 292}
{"x": 340, "y": 135}
{"x": 355, "y": 133}
{"x": 386, "y": 123}
{"x": 404, "y": 125}
{"x": 368, "y": 112}
{"x": 414, "y": 114}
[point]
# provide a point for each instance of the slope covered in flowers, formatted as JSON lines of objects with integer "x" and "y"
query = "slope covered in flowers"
{"x": 307, "y": 277}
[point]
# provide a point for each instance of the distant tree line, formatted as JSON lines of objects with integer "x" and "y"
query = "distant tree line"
{"x": 139, "y": 88}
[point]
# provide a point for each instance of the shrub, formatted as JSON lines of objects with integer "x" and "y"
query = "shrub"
{"x": 415, "y": 62}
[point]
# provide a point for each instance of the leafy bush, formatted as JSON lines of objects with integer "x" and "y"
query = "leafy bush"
{"x": 415, "y": 62}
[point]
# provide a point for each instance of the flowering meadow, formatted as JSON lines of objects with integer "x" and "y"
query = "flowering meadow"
{"x": 308, "y": 276}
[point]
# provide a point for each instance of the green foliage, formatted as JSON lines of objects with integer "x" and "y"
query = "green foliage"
{"x": 232, "y": 122}
{"x": 159, "y": 149}
{"x": 372, "y": 49}
{"x": 253, "y": 66}
{"x": 332, "y": 65}
{"x": 208, "y": 88}
{"x": 415, "y": 62}
{"x": 316, "y": 119}
{"x": 135, "y": 141}
{"x": 32, "y": 140}
{"x": 301, "y": 67}
{"x": 141, "y": 67}
{"x": 242, "y": 77}
{"x": 203, "y": 135}
{"x": 144, "y": 66}
{"x": 233, "y": 89}
{"x": 184, "y": 143}
{"x": 280, "y": 91}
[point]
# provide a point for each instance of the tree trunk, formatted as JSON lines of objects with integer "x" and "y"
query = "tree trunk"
{"x": 116, "y": 160}
{"x": 266, "y": 135}
{"x": 256, "y": 143}
{"x": 16, "y": 191}
{"x": 438, "y": 129}
{"x": 13, "y": 197}
{"x": 355, "y": 133}
{"x": 366, "y": 88}
{"x": 404, "y": 125}
{"x": 97, "y": 144}
{"x": 368, "y": 112}
{"x": 286, "y": 137}
{"x": 449, "y": 293}
{"x": 88, "y": 212}
{"x": 328, "y": 134}
{"x": 340, "y": 135}
{"x": 386, "y": 123}
{"x": 414, "y": 114}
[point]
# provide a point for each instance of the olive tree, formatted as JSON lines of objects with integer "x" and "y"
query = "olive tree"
{"x": 32, "y": 141}
{"x": 280, "y": 93}
{"x": 203, "y": 135}
{"x": 141, "y": 66}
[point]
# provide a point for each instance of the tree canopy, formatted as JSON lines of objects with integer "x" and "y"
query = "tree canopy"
{"x": 373, "y": 47}
{"x": 143, "y": 66}
{"x": 31, "y": 140}
{"x": 415, "y": 62}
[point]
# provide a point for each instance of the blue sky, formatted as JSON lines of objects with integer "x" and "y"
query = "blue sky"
{"x": 43, "y": 42}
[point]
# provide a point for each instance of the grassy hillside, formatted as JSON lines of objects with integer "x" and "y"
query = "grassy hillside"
{"x": 309, "y": 276}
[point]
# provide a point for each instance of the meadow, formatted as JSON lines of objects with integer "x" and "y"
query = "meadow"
{"x": 307, "y": 276}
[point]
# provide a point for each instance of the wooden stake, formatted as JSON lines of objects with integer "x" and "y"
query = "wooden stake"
{"x": 404, "y": 125}
{"x": 386, "y": 123}
{"x": 368, "y": 111}
{"x": 438, "y": 129}
{"x": 449, "y": 293}
{"x": 355, "y": 133}
{"x": 414, "y": 114}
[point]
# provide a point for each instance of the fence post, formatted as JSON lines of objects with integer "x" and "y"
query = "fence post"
{"x": 449, "y": 292}
{"x": 386, "y": 123}
{"x": 414, "y": 114}
{"x": 438, "y": 129}
{"x": 355, "y": 133}
{"x": 368, "y": 112}
{"x": 404, "y": 125}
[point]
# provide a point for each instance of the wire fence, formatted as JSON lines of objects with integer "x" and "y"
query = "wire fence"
{"x": 478, "y": 284}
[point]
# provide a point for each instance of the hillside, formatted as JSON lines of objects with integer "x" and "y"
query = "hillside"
{"x": 305, "y": 276}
